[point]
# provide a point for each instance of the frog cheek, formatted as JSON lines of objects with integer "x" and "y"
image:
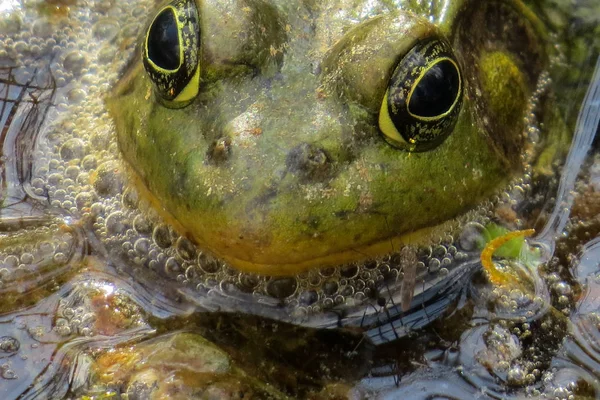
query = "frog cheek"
{"x": 170, "y": 53}
{"x": 423, "y": 98}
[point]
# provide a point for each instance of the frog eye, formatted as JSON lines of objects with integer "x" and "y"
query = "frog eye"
{"x": 171, "y": 53}
{"x": 423, "y": 98}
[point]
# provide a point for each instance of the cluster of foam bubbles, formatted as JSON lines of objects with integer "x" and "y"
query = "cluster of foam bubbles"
{"x": 25, "y": 265}
{"x": 80, "y": 171}
{"x": 8, "y": 347}
{"x": 94, "y": 307}
{"x": 77, "y": 167}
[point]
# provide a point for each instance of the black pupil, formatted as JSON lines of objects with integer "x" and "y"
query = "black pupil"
{"x": 436, "y": 91}
{"x": 163, "y": 41}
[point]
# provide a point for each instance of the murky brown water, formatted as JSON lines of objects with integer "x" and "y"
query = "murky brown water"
{"x": 78, "y": 320}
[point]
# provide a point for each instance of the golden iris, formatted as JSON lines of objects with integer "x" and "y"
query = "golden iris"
{"x": 171, "y": 53}
{"x": 423, "y": 98}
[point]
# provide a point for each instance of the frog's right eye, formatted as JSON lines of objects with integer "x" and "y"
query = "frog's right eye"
{"x": 171, "y": 53}
{"x": 423, "y": 99}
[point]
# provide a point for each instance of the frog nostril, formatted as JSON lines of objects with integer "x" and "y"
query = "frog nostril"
{"x": 309, "y": 162}
{"x": 219, "y": 151}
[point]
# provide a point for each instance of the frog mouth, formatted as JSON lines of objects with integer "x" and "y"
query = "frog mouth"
{"x": 427, "y": 255}
{"x": 356, "y": 255}
{"x": 432, "y": 248}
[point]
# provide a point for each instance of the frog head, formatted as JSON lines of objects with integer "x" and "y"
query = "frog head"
{"x": 282, "y": 136}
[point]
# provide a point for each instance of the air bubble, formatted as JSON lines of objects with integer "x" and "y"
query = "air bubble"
{"x": 97, "y": 209}
{"x": 439, "y": 251}
{"x": 130, "y": 198}
{"x": 21, "y": 47}
{"x": 248, "y": 282}
{"x": 5, "y": 274}
{"x": 11, "y": 261}
{"x": 424, "y": 252}
{"x": 76, "y": 96}
{"x": 172, "y": 266}
{"x": 7, "y": 373}
{"x": 72, "y": 149}
{"x": 562, "y": 288}
{"x": 89, "y": 162}
{"x": 27, "y": 258}
{"x": 75, "y": 62}
{"x": 116, "y": 223}
{"x": 106, "y": 29}
{"x": 162, "y": 236}
{"x": 281, "y": 288}
{"x": 185, "y": 249}
{"x": 561, "y": 393}
{"x": 109, "y": 181}
{"x": 192, "y": 273}
{"x": 314, "y": 280}
{"x": 434, "y": 265}
{"x": 348, "y": 291}
{"x": 142, "y": 225}
{"x": 62, "y": 327}
{"x": 517, "y": 376}
{"x": 208, "y": 264}
{"x": 8, "y": 345}
{"x": 72, "y": 172}
{"x": 142, "y": 246}
{"x": 308, "y": 298}
{"x": 55, "y": 179}
{"x": 3, "y": 53}
{"x": 60, "y": 258}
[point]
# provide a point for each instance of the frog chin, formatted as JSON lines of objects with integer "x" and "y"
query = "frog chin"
{"x": 253, "y": 260}
{"x": 355, "y": 255}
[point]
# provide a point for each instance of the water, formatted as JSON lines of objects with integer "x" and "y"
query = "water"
{"x": 70, "y": 309}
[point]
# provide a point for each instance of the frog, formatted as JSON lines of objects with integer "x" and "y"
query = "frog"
{"x": 318, "y": 163}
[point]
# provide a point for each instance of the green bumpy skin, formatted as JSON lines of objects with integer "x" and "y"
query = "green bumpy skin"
{"x": 279, "y": 165}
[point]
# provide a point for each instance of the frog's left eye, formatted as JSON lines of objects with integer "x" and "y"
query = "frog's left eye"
{"x": 423, "y": 98}
{"x": 171, "y": 53}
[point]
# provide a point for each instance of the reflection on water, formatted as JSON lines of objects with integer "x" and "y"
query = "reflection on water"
{"x": 69, "y": 303}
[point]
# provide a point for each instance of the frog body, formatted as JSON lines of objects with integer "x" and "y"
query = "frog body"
{"x": 314, "y": 163}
